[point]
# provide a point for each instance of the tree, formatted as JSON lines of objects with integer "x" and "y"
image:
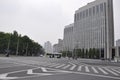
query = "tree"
{"x": 26, "y": 45}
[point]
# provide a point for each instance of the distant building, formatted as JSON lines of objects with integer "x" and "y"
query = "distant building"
{"x": 58, "y": 47}
{"x": 118, "y": 48}
{"x": 48, "y": 47}
{"x": 68, "y": 38}
{"x": 118, "y": 43}
{"x": 55, "y": 48}
{"x": 94, "y": 27}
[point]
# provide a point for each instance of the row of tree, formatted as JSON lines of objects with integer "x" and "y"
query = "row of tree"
{"x": 16, "y": 44}
{"x": 83, "y": 53}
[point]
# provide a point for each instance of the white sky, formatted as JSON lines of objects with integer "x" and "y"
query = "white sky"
{"x": 44, "y": 20}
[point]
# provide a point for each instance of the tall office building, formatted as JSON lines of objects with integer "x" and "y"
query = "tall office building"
{"x": 94, "y": 27}
{"x": 68, "y": 38}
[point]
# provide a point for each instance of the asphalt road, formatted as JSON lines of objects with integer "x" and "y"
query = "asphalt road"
{"x": 41, "y": 68}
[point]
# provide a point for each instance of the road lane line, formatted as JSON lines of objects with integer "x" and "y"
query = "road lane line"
{"x": 103, "y": 71}
{"x": 111, "y": 72}
{"x": 95, "y": 71}
{"x": 66, "y": 66}
{"x": 87, "y": 69}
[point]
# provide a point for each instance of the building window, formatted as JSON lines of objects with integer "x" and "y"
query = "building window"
{"x": 87, "y": 13}
{"x": 97, "y": 9}
{"x": 77, "y": 16}
{"x": 80, "y": 15}
{"x": 90, "y": 12}
{"x": 101, "y": 7}
{"x": 83, "y": 14}
{"x": 93, "y": 10}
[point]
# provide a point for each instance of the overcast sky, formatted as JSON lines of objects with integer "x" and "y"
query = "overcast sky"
{"x": 44, "y": 20}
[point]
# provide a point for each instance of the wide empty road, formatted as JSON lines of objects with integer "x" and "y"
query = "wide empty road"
{"x": 41, "y": 68}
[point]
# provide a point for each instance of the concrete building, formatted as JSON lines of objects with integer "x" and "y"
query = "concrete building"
{"x": 118, "y": 43}
{"x": 68, "y": 38}
{"x": 58, "y": 47}
{"x": 94, "y": 27}
{"x": 117, "y": 48}
{"x": 48, "y": 47}
{"x": 55, "y": 48}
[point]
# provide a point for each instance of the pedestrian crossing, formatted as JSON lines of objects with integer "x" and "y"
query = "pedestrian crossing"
{"x": 85, "y": 68}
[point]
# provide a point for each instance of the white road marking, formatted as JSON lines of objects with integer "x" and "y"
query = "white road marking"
{"x": 80, "y": 68}
{"x": 4, "y": 77}
{"x": 53, "y": 65}
{"x": 111, "y": 72}
{"x": 102, "y": 70}
{"x": 116, "y": 71}
{"x": 96, "y": 75}
{"x": 30, "y": 71}
{"x": 87, "y": 69}
{"x": 94, "y": 70}
{"x": 73, "y": 67}
{"x": 66, "y": 66}
{"x": 60, "y": 66}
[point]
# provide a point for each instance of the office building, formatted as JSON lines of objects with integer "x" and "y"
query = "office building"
{"x": 68, "y": 38}
{"x": 94, "y": 27}
{"x": 48, "y": 47}
{"x": 58, "y": 47}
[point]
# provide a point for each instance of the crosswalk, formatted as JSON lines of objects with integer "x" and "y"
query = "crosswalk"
{"x": 85, "y": 68}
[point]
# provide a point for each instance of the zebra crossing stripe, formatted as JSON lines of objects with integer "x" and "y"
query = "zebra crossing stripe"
{"x": 94, "y": 70}
{"x": 73, "y": 67}
{"x": 60, "y": 66}
{"x": 54, "y": 65}
{"x": 111, "y": 71}
{"x": 48, "y": 64}
{"x": 102, "y": 70}
{"x": 87, "y": 69}
{"x": 80, "y": 68}
{"x": 66, "y": 67}
{"x": 115, "y": 70}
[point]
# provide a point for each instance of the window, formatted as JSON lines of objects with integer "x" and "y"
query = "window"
{"x": 83, "y": 14}
{"x": 87, "y": 13}
{"x": 80, "y": 15}
{"x": 97, "y": 9}
{"x": 101, "y": 7}
{"x": 77, "y": 16}
{"x": 93, "y": 10}
{"x": 90, "y": 12}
